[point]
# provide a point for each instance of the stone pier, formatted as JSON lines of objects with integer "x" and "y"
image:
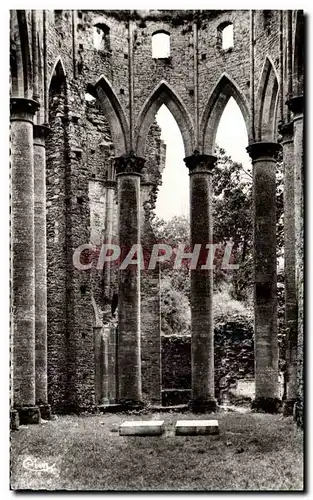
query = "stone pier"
{"x": 40, "y": 133}
{"x": 296, "y": 106}
{"x": 202, "y": 332}
{"x": 23, "y": 259}
{"x": 128, "y": 170}
{"x": 286, "y": 132}
{"x": 264, "y": 155}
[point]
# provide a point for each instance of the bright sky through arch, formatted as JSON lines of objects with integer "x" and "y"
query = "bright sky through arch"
{"x": 173, "y": 196}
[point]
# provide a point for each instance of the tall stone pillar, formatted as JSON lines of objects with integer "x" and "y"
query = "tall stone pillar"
{"x": 23, "y": 259}
{"x": 128, "y": 170}
{"x": 286, "y": 132}
{"x": 201, "y": 299}
{"x": 296, "y": 106}
{"x": 263, "y": 155}
{"x": 40, "y": 133}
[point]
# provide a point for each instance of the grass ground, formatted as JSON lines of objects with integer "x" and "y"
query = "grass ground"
{"x": 253, "y": 452}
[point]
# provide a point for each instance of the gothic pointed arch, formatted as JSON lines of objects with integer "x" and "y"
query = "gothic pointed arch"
{"x": 298, "y": 56}
{"x": 164, "y": 94}
{"x": 58, "y": 74}
{"x": 224, "y": 89}
{"x": 114, "y": 113}
{"x": 267, "y": 97}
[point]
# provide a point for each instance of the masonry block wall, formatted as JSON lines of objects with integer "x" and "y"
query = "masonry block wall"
{"x": 57, "y": 57}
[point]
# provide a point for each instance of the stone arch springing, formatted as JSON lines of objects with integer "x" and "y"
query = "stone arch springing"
{"x": 298, "y": 57}
{"x": 164, "y": 94}
{"x": 268, "y": 94}
{"x": 25, "y": 50}
{"x": 16, "y": 63}
{"x": 114, "y": 113}
{"x": 41, "y": 92}
{"x": 223, "y": 91}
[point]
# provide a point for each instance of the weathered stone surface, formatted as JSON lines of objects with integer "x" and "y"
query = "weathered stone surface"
{"x": 14, "y": 420}
{"x": 22, "y": 248}
{"x": 201, "y": 297}
{"x": 129, "y": 359}
{"x": 142, "y": 428}
{"x": 263, "y": 155}
{"x": 196, "y": 427}
{"x": 40, "y": 133}
{"x": 291, "y": 307}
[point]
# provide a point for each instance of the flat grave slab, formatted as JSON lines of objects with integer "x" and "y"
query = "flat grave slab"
{"x": 196, "y": 427}
{"x": 142, "y": 428}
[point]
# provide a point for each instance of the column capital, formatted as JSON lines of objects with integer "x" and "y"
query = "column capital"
{"x": 23, "y": 109}
{"x": 258, "y": 150}
{"x": 296, "y": 104}
{"x": 129, "y": 164}
{"x": 286, "y": 132}
{"x": 200, "y": 163}
{"x": 40, "y": 133}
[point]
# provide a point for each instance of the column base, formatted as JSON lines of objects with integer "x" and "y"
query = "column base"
{"x": 29, "y": 415}
{"x": 130, "y": 405}
{"x": 288, "y": 407}
{"x": 45, "y": 411}
{"x": 267, "y": 405}
{"x": 14, "y": 420}
{"x": 203, "y": 406}
{"x": 298, "y": 415}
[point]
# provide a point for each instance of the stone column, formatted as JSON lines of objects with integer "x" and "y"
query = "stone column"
{"x": 286, "y": 132}
{"x": 40, "y": 133}
{"x": 263, "y": 155}
{"x": 128, "y": 170}
{"x": 202, "y": 331}
{"x": 296, "y": 106}
{"x": 23, "y": 259}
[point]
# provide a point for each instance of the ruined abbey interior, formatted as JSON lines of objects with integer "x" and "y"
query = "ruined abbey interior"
{"x": 86, "y": 160}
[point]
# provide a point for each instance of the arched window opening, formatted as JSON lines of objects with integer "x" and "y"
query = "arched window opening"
{"x": 228, "y": 37}
{"x": 225, "y": 38}
{"x": 101, "y": 37}
{"x": 58, "y": 79}
{"x": 161, "y": 45}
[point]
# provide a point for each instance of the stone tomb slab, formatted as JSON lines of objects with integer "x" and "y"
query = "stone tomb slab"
{"x": 196, "y": 427}
{"x": 142, "y": 428}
